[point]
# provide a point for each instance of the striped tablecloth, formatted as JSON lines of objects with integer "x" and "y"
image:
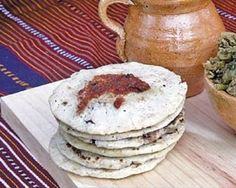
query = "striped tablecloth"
{"x": 42, "y": 41}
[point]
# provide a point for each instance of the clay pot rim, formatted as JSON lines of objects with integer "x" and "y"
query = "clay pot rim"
{"x": 219, "y": 92}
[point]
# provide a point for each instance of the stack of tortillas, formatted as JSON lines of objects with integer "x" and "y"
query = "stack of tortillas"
{"x": 104, "y": 140}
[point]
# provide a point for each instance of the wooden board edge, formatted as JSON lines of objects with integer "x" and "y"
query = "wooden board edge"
{"x": 35, "y": 148}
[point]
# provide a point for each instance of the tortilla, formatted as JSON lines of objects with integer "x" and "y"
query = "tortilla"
{"x": 162, "y": 143}
{"x": 120, "y": 136}
{"x": 81, "y": 170}
{"x": 139, "y": 111}
{"x": 137, "y": 141}
{"x": 92, "y": 160}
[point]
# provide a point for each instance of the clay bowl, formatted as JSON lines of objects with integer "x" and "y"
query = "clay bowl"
{"x": 224, "y": 103}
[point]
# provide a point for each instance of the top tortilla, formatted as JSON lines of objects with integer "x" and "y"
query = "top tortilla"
{"x": 140, "y": 110}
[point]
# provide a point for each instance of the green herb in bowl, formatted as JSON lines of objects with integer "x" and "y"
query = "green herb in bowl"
{"x": 221, "y": 70}
{"x": 220, "y": 79}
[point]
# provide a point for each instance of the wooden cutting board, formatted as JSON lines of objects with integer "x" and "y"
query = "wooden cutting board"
{"x": 204, "y": 157}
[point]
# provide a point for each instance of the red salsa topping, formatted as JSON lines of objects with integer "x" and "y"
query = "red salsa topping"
{"x": 118, "y": 84}
{"x": 118, "y": 102}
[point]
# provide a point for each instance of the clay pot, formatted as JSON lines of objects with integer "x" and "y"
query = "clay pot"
{"x": 224, "y": 103}
{"x": 177, "y": 34}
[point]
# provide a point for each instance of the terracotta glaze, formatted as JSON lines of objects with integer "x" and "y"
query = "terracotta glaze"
{"x": 180, "y": 35}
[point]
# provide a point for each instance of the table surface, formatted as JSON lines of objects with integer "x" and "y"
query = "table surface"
{"x": 45, "y": 41}
{"x": 204, "y": 157}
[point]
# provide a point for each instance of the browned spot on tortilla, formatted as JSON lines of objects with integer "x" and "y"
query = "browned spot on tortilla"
{"x": 89, "y": 121}
{"x": 68, "y": 145}
{"x": 181, "y": 120}
{"x": 151, "y": 137}
{"x": 65, "y": 103}
{"x": 135, "y": 164}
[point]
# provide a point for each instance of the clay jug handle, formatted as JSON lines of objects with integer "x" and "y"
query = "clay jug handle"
{"x": 116, "y": 27}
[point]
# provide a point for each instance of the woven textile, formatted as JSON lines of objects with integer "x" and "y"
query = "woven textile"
{"x": 42, "y": 41}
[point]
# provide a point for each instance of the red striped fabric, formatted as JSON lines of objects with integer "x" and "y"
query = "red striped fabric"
{"x": 68, "y": 36}
{"x": 18, "y": 164}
